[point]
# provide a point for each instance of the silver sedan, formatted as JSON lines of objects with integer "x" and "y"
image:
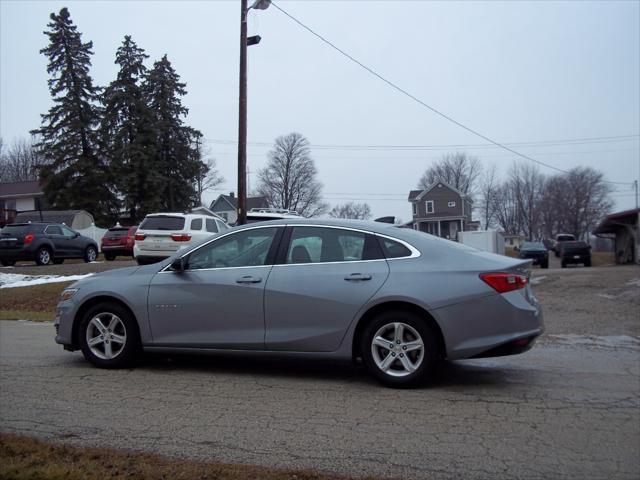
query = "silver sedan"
{"x": 398, "y": 299}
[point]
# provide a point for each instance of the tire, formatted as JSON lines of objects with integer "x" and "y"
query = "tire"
{"x": 58, "y": 261}
{"x": 7, "y": 263}
{"x": 587, "y": 263}
{"x": 563, "y": 264}
{"x": 114, "y": 321}
{"x": 110, "y": 257}
{"x": 544, "y": 264}
{"x": 43, "y": 256}
{"x": 90, "y": 254}
{"x": 414, "y": 330}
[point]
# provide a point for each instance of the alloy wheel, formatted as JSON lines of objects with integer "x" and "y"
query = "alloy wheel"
{"x": 397, "y": 349}
{"x": 44, "y": 256}
{"x": 106, "y": 335}
{"x": 91, "y": 254}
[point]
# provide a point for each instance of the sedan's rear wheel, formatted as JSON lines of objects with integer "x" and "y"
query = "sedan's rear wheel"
{"x": 108, "y": 336}
{"x": 400, "y": 349}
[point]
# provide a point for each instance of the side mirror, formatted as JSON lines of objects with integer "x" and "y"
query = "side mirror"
{"x": 76, "y": 235}
{"x": 178, "y": 265}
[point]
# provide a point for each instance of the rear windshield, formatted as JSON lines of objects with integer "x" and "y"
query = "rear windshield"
{"x": 162, "y": 223}
{"x": 565, "y": 238}
{"x": 575, "y": 245}
{"x": 21, "y": 229}
{"x": 117, "y": 232}
{"x": 533, "y": 246}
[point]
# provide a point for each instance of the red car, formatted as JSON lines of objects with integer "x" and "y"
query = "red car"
{"x": 118, "y": 241}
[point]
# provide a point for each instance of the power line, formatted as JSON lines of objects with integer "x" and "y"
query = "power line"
{"x": 539, "y": 143}
{"x": 424, "y": 104}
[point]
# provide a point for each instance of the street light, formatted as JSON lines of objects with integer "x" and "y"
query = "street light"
{"x": 242, "y": 117}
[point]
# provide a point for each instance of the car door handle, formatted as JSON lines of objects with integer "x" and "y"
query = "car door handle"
{"x": 249, "y": 279}
{"x": 357, "y": 277}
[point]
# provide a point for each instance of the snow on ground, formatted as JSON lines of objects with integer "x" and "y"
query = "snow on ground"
{"x": 537, "y": 280}
{"x": 14, "y": 280}
{"x": 611, "y": 341}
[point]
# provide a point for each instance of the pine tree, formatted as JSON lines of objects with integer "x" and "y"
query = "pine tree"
{"x": 177, "y": 156}
{"x": 128, "y": 136}
{"x": 74, "y": 175}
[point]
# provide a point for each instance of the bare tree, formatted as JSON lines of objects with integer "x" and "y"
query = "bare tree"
{"x": 505, "y": 209}
{"x": 21, "y": 162}
{"x": 488, "y": 190}
{"x": 289, "y": 179}
{"x": 589, "y": 200}
{"x": 357, "y": 211}
{"x": 208, "y": 177}
{"x": 526, "y": 183}
{"x": 459, "y": 170}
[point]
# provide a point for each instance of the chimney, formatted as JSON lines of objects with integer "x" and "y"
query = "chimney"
{"x": 231, "y": 194}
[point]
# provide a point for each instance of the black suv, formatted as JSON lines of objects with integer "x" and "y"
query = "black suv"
{"x": 44, "y": 243}
{"x": 575, "y": 252}
{"x": 537, "y": 252}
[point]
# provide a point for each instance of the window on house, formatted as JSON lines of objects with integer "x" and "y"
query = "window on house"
{"x": 415, "y": 209}
{"x": 429, "y": 206}
{"x": 451, "y": 204}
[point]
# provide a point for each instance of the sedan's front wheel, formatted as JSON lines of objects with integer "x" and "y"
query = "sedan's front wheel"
{"x": 109, "y": 337}
{"x": 90, "y": 254}
{"x": 400, "y": 349}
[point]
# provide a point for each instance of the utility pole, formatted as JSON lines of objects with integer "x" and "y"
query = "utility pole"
{"x": 242, "y": 120}
{"x": 635, "y": 185}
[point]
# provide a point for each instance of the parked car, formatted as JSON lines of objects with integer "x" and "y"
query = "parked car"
{"x": 160, "y": 235}
{"x": 266, "y": 214}
{"x": 399, "y": 299}
{"x": 118, "y": 241}
{"x": 535, "y": 251}
{"x": 560, "y": 239}
{"x": 44, "y": 243}
{"x": 575, "y": 253}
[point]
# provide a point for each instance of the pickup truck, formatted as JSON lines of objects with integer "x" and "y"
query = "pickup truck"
{"x": 574, "y": 253}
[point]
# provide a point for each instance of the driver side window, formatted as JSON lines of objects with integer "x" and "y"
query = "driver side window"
{"x": 67, "y": 232}
{"x": 248, "y": 248}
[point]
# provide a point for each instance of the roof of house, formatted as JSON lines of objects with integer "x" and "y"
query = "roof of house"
{"x": 252, "y": 202}
{"x": 56, "y": 216}
{"x": 19, "y": 189}
{"x": 607, "y": 224}
{"x": 415, "y": 195}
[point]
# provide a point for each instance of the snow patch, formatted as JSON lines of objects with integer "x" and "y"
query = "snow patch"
{"x": 635, "y": 282}
{"x": 609, "y": 341}
{"x": 15, "y": 280}
{"x": 537, "y": 280}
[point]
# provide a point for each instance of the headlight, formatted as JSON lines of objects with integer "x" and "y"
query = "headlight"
{"x": 68, "y": 293}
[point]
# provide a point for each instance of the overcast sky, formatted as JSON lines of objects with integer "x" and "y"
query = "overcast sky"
{"x": 515, "y": 71}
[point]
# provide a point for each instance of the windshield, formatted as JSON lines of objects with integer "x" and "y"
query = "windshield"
{"x": 162, "y": 223}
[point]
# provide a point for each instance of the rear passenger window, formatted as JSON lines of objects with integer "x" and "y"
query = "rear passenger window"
{"x": 196, "y": 224}
{"x": 53, "y": 230}
{"x": 322, "y": 245}
{"x": 393, "y": 249}
{"x": 211, "y": 225}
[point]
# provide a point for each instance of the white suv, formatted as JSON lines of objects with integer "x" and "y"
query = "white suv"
{"x": 160, "y": 235}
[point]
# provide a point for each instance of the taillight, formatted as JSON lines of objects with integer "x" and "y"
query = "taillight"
{"x": 181, "y": 237}
{"x": 504, "y": 282}
{"x": 140, "y": 236}
{"x": 129, "y": 239}
{"x": 28, "y": 238}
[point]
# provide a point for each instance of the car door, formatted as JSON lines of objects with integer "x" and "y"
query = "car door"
{"x": 323, "y": 278}
{"x": 217, "y": 301}
{"x": 75, "y": 244}
{"x": 59, "y": 240}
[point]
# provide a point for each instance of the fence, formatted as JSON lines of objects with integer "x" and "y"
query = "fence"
{"x": 93, "y": 232}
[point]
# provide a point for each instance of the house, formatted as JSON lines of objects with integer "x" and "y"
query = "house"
{"x": 441, "y": 210}
{"x": 76, "y": 219}
{"x": 226, "y": 206}
{"x": 19, "y": 197}
{"x": 623, "y": 226}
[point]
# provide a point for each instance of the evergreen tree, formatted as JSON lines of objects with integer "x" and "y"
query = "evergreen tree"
{"x": 128, "y": 136}
{"x": 74, "y": 176}
{"x": 177, "y": 156}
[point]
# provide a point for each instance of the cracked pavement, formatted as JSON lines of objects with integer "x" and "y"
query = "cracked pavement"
{"x": 561, "y": 411}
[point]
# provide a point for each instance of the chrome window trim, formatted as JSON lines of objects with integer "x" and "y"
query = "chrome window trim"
{"x": 415, "y": 253}
{"x": 218, "y": 237}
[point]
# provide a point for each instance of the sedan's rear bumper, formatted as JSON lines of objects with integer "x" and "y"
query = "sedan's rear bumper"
{"x": 477, "y": 327}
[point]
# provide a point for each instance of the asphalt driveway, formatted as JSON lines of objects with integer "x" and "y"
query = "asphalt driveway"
{"x": 568, "y": 409}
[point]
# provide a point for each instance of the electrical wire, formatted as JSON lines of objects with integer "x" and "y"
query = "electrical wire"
{"x": 424, "y": 104}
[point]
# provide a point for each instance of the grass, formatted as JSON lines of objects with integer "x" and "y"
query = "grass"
{"x": 31, "y": 303}
{"x": 26, "y": 458}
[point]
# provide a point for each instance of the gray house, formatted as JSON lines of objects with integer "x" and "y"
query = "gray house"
{"x": 227, "y": 206}
{"x": 441, "y": 210}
